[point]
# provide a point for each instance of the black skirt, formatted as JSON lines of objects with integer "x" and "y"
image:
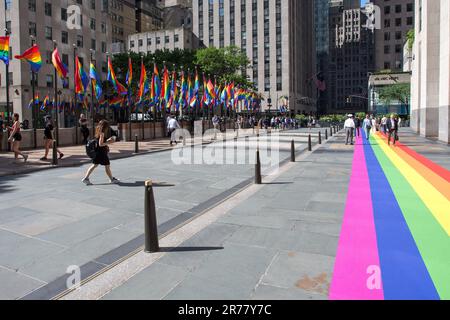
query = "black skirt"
{"x": 102, "y": 157}
{"x": 48, "y": 134}
{"x": 17, "y": 137}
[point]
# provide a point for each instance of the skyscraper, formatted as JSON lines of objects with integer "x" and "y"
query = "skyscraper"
{"x": 322, "y": 37}
{"x": 277, "y": 36}
{"x": 351, "y": 57}
{"x": 397, "y": 18}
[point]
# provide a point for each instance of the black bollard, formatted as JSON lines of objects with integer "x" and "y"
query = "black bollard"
{"x": 320, "y": 137}
{"x": 292, "y": 151}
{"x": 55, "y": 154}
{"x": 136, "y": 144}
{"x": 326, "y": 134}
{"x": 258, "y": 178}
{"x": 309, "y": 143}
{"x": 151, "y": 224}
{"x": 331, "y": 131}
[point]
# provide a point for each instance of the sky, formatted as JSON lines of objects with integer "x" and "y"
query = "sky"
{"x": 363, "y": 2}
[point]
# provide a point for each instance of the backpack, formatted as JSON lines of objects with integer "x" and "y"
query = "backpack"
{"x": 92, "y": 148}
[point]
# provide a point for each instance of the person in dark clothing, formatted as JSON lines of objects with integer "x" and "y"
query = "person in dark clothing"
{"x": 392, "y": 127}
{"x": 48, "y": 138}
{"x": 102, "y": 133}
{"x": 358, "y": 126}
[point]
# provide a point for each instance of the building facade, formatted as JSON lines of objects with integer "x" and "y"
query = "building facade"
{"x": 430, "y": 115}
{"x": 397, "y": 18}
{"x": 278, "y": 37}
{"x": 322, "y": 38}
{"x": 148, "y": 16}
{"x": 97, "y": 28}
{"x": 351, "y": 58}
{"x": 170, "y": 39}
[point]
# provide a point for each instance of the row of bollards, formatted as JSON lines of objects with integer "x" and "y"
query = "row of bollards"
{"x": 151, "y": 224}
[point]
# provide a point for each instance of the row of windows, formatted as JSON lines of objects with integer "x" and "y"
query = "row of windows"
{"x": 176, "y": 38}
{"x": 398, "y": 22}
{"x": 398, "y": 8}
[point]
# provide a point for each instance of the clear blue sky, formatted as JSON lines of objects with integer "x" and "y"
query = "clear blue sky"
{"x": 363, "y": 2}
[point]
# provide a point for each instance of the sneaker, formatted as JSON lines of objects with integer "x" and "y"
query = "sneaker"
{"x": 115, "y": 181}
{"x": 87, "y": 182}
{"x": 61, "y": 156}
{"x": 43, "y": 159}
{"x": 25, "y": 158}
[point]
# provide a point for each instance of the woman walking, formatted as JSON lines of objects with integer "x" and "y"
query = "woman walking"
{"x": 102, "y": 133}
{"x": 15, "y": 138}
{"x": 48, "y": 138}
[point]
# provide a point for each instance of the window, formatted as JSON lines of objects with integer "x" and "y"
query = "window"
{"x": 48, "y": 9}
{"x": 166, "y": 39}
{"x": 387, "y": 10}
{"x": 32, "y": 28}
{"x": 398, "y": 22}
{"x": 103, "y": 47}
{"x": 65, "y": 59}
{"x": 48, "y": 33}
{"x": 49, "y": 81}
{"x": 176, "y": 38}
{"x": 103, "y": 27}
{"x": 410, "y": 7}
{"x": 131, "y": 43}
{"x": 32, "y": 5}
{"x": 398, "y": 8}
{"x": 64, "y": 37}
{"x": 80, "y": 41}
{"x": 8, "y": 4}
{"x": 92, "y": 4}
{"x": 398, "y": 48}
{"x": 93, "y": 44}
{"x": 398, "y": 35}
{"x": 387, "y": 49}
{"x": 63, "y": 14}
{"x": 409, "y": 21}
{"x": 92, "y": 24}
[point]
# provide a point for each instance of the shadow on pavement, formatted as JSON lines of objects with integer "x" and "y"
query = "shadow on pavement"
{"x": 190, "y": 249}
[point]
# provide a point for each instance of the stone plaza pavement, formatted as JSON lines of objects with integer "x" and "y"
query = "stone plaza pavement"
{"x": 275, "y": 241}
{"x": 49, "y": 220}
{"x": 76, "y": 155}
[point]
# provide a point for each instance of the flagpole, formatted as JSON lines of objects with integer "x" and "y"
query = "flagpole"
{"x": 75, "y": 93}
{"x": 142, "y": 106}
{"x": 56, "y": 99}
{"x": 8, "y": 117}
{"x": 92, "y": 96}
{"x": 129, "y": 108}
{"x": 33, "y": 110}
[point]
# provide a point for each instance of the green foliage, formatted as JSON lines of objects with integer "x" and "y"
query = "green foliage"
{"x": 397, "y": 92}
{"x": 361, "y": 115}
{"x": 333, "y": 118}
{"x": 410, "y": 36}
{"x": 225, "y": 64}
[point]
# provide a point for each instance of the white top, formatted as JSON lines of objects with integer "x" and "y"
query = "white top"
{"x": 173, "y": 124}
{"x": 349, "y": 123}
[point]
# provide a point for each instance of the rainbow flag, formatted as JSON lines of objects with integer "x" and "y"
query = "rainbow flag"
{"x": 4, "y": 49}
{"x": 156, "y": 84}
{"x": 81, "y": 79}
{"x": 120, "y": 89}
{"x": 36, "y": 98}
{"x": 33, "y": 57}
{"x": 395, "y": 237}
{"x": 189, "y": 91}
{"x": 165, "y": 92}
{"x": 143, "y": 83}
{"x": 183, "y": 88}
{"x": 30, "y": 104}
{"x": 96, "y": 82}
{"x": 61, "y": 68}
{"x": 103, "y": 103}
{"x": 116, "y": 102}
{"x": 45, "y": 103}
{"x": 211, "y": 90}
{"x": 129, "y": 78}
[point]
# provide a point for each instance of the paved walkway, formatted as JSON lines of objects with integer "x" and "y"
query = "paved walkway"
{"x": 278, "y": 243}
{"x": 49, "y": 220}
{"x": 76, "y": 155}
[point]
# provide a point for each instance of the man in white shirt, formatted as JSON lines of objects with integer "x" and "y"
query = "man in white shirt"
{"x": 349, "y": 126}
{"x": 172, "y": 126}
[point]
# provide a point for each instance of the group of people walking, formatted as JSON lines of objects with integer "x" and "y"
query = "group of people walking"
{"x": 371, "y": 125}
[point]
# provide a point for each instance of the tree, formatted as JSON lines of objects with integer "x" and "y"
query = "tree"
{"x": 225, "y": 64}
{"x": 410, "y": 36}
{"x": 397, "y": 92}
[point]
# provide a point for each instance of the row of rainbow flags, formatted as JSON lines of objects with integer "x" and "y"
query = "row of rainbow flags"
{"x": 153, "y": 91}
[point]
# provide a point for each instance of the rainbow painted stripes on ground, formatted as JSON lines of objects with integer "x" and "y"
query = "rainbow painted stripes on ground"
{"x": 396, "y": 227}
